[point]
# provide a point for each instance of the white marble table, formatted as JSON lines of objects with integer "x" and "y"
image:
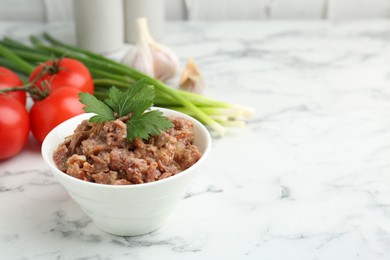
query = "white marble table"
{"x": 308, "y": 178}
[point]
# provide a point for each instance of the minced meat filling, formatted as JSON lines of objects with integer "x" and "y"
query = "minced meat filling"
{"x": 99, "y": 152}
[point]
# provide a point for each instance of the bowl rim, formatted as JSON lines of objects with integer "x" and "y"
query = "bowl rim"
{"x": 51, "y": 164}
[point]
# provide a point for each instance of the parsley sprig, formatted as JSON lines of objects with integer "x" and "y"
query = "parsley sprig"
{"x": 136, "y": 102}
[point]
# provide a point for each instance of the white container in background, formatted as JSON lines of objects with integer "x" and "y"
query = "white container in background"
{"x": 152, "y": 10}
{"x": 99, "y": 24}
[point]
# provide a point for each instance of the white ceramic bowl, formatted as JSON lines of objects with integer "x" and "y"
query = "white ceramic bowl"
{"x": 126, "y": 210}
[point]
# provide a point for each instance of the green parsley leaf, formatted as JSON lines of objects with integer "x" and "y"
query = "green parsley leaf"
{"x": 149, "y": 123}
{"x": 113, "y": 96}
{"x": 135, "y": 101}
{"x": 94, "y": 105}
{"x": 142, "y": 100}
{"x": 136, "y": 98}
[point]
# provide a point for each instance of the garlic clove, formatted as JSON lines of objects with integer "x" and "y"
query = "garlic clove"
{"x": 129, "y": 56}
{"x": 166, "y": 62}
{"x": 166, "y": 66}
{"x": 140, "y": 57}
{"x": 143, "y": 59}
{"x": 150, "y": 57}
{"x": 191, "y": 79}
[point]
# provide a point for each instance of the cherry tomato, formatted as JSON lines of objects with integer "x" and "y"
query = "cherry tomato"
{"x": 9, "y": 79}
{"x": 65, "y": 72}
{"x": 14, "y": 126}
{"x": 59, "y": 106}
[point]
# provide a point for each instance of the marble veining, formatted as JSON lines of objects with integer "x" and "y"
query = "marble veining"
{"x": 307, "y": 178}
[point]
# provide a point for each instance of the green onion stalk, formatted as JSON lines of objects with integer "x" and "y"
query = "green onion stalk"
{"x": 107, "y": 72}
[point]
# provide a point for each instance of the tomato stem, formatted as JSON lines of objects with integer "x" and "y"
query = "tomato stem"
{"x": 25, "y": 88}
{"x": 34, "y": 91}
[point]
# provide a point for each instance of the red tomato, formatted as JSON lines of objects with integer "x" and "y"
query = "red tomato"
{"x": 69, "y": 72}
{"x": 59, "y": 106}
{"x": 14, "y": 126}
{"x": 9, "y": 79}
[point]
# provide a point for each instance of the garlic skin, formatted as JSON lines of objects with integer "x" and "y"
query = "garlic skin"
{"x": 191, "y": 79}
{"x": 151, "y": 57}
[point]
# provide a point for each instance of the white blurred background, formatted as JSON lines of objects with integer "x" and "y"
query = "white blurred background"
{"x": 62, "y": 10}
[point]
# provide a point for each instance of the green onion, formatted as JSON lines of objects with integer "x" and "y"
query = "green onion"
{"x": 22, "y": 64}
{"x": 107, "y": 72}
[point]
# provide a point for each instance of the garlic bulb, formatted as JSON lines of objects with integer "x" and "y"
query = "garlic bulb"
{"x": 140, "y": 57}
{"x": 162, "y": 63}
{"x": 166, "y": 63}
{"x": 191, "y": 79}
